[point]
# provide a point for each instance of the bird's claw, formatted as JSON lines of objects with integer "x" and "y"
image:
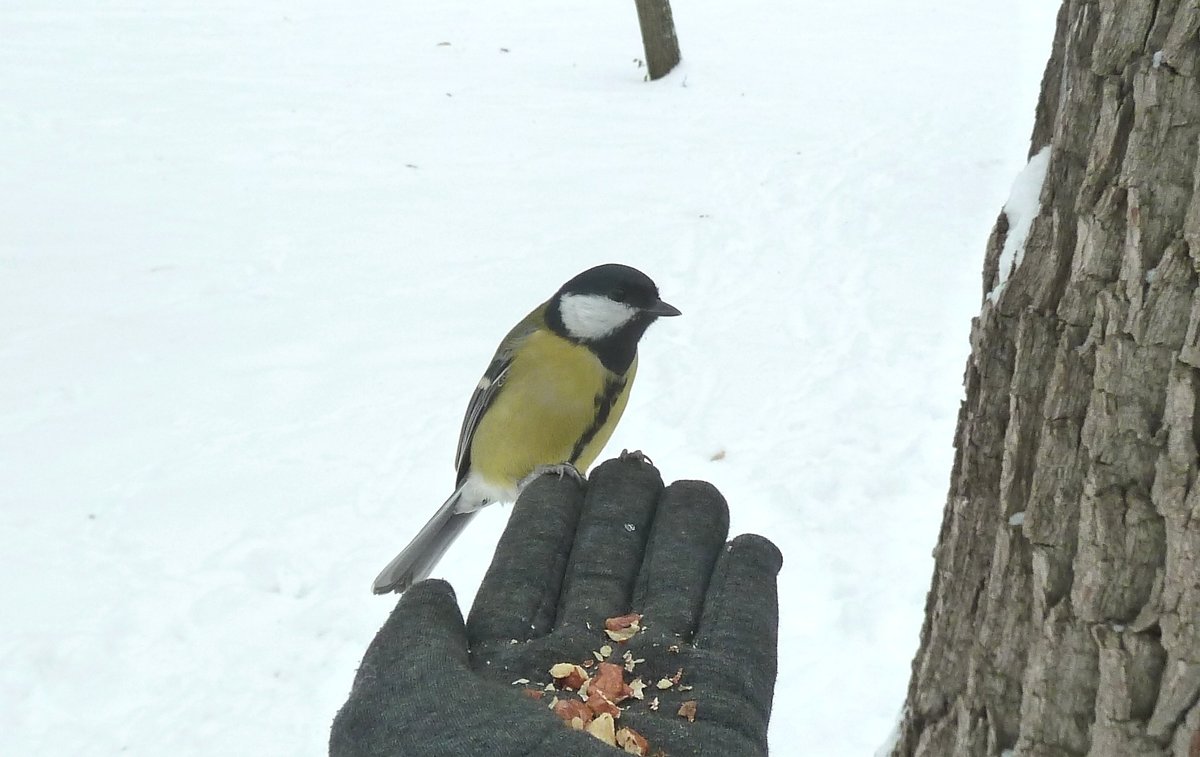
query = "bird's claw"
{"x": 636, "y": 456}
{"x": 562, "y": 470}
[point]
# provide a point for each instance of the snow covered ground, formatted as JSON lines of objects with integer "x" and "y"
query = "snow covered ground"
{"x": 254, "y": 256}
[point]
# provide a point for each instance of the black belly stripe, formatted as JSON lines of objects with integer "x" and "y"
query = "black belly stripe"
{"x": 604, "y": 404}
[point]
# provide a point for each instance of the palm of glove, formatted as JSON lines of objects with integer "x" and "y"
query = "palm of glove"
{"x": 567, "y": 562}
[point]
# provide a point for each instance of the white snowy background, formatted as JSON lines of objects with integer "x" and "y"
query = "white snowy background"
{"x": 254, "y": 256}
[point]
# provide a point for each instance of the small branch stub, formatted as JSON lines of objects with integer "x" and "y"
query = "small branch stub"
{"x": 658, "y": 36}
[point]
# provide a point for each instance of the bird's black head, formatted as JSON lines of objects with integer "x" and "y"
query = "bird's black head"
{"x": 608, "y": 308}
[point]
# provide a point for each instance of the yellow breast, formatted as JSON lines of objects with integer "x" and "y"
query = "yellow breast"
{"x": 546, "y": 412}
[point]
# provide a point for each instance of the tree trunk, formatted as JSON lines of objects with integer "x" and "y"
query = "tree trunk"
{"x": 658, "y": 36}
{"x": 1064, "y": 613}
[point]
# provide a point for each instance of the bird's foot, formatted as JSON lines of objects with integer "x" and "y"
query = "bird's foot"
{"x": 562, "y": 470}
{"x": 636, "y": 456}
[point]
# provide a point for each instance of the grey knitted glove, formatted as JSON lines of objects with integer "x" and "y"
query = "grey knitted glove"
{"x": 432, "y": 685}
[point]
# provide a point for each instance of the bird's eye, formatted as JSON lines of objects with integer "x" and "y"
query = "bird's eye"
{"x": 617, "y": 295}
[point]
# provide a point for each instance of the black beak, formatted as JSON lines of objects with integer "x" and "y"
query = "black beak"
{"x": 661, "y": 309}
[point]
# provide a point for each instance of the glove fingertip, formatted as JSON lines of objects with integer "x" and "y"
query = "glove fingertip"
{"x": 760, "y": 549}
{"x": 704, "y": 499}
{"x": 430, "y": 590}
{"x": 428, "y": 608}
{"x": 629, "y": 468}
{"x": 697, "y": 488}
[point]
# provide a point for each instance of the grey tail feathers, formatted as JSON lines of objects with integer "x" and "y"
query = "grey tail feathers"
{"x": 416, "y": 561}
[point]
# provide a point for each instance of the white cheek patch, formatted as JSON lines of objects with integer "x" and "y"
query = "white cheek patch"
{"x": 593, "y": 316}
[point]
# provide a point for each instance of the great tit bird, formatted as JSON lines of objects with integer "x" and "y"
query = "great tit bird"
{"x": 551, "y": 398}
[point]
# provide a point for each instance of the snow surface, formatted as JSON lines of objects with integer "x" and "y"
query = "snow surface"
{"x": 1024, "y": 204}
{"x": 253, "y": 258}
{"x": 893, "y": 738}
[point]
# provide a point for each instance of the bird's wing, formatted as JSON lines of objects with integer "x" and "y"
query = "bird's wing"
{"x": 485, "y": 392}
{"x": 489, "y": 386}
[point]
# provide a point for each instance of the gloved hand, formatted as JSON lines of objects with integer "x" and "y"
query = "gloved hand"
{"x": 432, "y": 685}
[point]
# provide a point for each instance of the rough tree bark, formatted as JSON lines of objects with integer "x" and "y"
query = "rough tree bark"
{"x": 658, "y": 36}
{"x": 1064, "y": 613}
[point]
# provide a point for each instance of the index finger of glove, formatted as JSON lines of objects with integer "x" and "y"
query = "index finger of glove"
{"x": 609, "y": 542}
{"x": 519, "y": 595}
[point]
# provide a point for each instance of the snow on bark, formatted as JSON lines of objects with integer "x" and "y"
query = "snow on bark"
{"x": 1022, "y": 207}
